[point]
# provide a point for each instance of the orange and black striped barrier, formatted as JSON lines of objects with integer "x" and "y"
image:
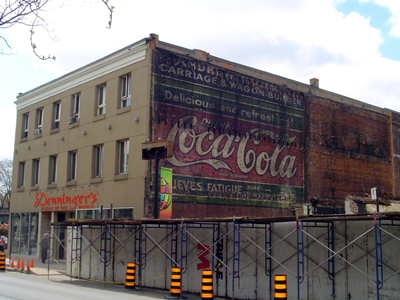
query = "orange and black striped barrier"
{"x": 207, "y": 285}
{"x": 176, "y": 284}
{"x": 130, "y": 275}
{"x": 280, "y": 287}
{"x": 2, "y": 261}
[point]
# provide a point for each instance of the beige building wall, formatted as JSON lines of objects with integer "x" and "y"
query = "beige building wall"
{"x": 131, "y": 122}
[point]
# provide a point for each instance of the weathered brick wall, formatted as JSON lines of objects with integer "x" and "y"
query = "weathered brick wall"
{"x": 348, "y": 150}
{"x": 236, "y": 139}
{"x": 191, "y": 209}
{"x": 396, "y": 152}
{"x": 217, "y": 211}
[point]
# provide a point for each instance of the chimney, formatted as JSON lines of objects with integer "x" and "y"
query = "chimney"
{"x": 314, "y": 82}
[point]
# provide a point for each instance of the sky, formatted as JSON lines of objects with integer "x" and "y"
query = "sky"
{"x": 351, "y": 46}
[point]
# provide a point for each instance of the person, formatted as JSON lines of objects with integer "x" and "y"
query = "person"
{"x": 44, "y": 246}
{"x": 2, "y": 244}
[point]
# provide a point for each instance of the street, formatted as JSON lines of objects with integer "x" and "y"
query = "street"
{"x": 16, "y": 285}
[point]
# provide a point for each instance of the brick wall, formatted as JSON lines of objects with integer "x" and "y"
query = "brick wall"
{"x": 348, "y": 150}
{"x": 396, "y": 152}
{"x": 197, "y": 210}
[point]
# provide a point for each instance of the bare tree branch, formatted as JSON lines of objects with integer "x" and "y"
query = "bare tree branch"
{"x": 111, "y": 10}
{"x": 29, "y": 13}
{"x": 5, "y": 41}
{"x": 33, "y": 45}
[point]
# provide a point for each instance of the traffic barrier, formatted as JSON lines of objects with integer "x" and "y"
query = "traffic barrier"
{"x": 130, "y": 276}
{"x": 280, "y": 287}
{"x": 175, "y": 286}
{"x": 207, "y": 285}
{"x": 2, "y": 261}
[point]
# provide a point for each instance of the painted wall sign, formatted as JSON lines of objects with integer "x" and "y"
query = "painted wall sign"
{"x": 49, "y": 203}
{"x": 235, "y": 136}
{"x": 201, "y": 73}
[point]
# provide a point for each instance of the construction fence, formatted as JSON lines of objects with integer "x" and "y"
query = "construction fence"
{"x": 323, "y": 257}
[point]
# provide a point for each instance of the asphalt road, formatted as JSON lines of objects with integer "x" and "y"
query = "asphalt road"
{"x": 16, "y": 285}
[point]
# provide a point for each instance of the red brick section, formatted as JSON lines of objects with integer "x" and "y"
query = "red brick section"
{"x": 396, "y": 152}
{"x": 189, "y": 210}
{"x": 220, "y": 211}
{"x": 348, "y": 150}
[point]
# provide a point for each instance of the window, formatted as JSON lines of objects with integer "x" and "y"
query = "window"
{"x": 104, "y": 213}
{"x": 21, "y": 174}
{"x": 72, "y": 163}
{"x": 56, "y": 112}
{"x": 123, "y": 156}
{"x": 24, "y": 240}
{"x": 125, "y": 91}
{"x": 101, "y": 100}
{"x": 98, "y": 160}
{"x": 25, "y": 125}
{"x": 85, "y": 214}
{"x": 75, "y": 105}
{"x": 39, "y": 121}
{"x": 39, "y": 118}
{"x": 53, "y": 169}
{"x": 35, "y": 172}
{"x": 123, "y": 212}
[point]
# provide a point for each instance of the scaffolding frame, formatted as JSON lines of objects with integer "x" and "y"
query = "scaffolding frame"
{"x": 180, "y": 240}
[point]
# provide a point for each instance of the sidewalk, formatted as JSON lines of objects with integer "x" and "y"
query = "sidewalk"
{"x": 59, "y": 268}
{"x": 53, "y": 268}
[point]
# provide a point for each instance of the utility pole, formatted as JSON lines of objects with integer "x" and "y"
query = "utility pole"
{"x": 157, "y": 150}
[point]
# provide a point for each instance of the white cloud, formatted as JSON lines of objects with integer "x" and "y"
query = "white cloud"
{"x": 394, "y": 8}
{"x": 298, "y": 39}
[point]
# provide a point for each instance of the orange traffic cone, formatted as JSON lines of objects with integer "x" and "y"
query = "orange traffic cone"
{"x": 18, "y": 266}
{"x": 22, "y": 264}
{"x": 28, "y": 268}
{"x": 32, "y": 263}
{"x": 12, "y": 263}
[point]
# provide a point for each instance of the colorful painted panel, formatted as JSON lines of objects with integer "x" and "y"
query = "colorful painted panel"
{"x": 166, "y": 193}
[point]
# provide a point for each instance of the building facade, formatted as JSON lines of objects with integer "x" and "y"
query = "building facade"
{"x": 245, "y": 142}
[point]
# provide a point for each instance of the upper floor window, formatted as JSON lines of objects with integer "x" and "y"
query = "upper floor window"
{"x": 25, "y": 125}
{"x": 21, "y": 174}
{"x": 53, "y": 169}
{"x": 39, "y": 121}
{"x": 123, "y": 156}
{"x": 98, "y": 160}
{"x": 39, "y": 118}
{"x": 75, "y": 104}
{"x": 72, "y": 164}
{"x": 35, "y": 172}
{"x": 125, "y": 90}
{"x": 101, "y": 100}
{"x": 56, "y": 114}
